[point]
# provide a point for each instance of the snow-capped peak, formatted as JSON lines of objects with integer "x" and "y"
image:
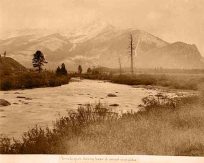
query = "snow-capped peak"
{"x": 87, "y": 32}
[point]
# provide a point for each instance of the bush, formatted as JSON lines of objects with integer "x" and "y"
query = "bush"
{"x": 38, "y": 140}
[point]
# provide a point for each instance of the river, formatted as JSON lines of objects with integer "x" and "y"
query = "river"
{"x": 43, "y": 105}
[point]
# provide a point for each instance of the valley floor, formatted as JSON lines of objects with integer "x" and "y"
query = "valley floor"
{"x": 167, "y": 80}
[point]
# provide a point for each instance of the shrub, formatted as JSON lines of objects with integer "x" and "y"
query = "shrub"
{"x": 38, "y": 140}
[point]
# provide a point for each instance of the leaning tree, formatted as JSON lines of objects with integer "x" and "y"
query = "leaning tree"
{"x": 38, "y": 60}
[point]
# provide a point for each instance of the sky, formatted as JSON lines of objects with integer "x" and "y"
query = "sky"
{"x": 171, "y": 20}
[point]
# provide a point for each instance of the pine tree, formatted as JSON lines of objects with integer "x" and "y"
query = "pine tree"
{"x": 38, "y": 60}
{"x": 89, "y": 70}
{"x": 63, "y": 69}
{"x": 58, "y": 71}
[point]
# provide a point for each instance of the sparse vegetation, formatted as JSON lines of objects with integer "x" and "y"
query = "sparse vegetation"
{"x": 163, "y": 127}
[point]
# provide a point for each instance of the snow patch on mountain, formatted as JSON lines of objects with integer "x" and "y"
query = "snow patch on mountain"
{"x": 52, "y": 44}
{"x": 80, "y": 57}
{"x": 87, "y": 32}
{"x": 72, "y": 48}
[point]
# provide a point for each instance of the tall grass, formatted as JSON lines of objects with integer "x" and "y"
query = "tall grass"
{"x": 38, "y": 140}
{"x": 32, "y": 80}
{"x": 163, "y": 127}
{"x": 166, "y": 80}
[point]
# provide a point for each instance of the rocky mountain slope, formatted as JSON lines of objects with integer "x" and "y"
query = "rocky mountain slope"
{"x": 175, "y": 55}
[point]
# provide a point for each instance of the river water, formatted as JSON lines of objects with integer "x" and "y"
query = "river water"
{"x": 43, "y": 105}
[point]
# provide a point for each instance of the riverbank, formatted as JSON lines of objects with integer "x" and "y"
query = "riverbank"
{"x": 32, "y": 79}
{"x": 42, "y": 105}
{"x": 181, "y": 81}
{"x": 162, "y": 127}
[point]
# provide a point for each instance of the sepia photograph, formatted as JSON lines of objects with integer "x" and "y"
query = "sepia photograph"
{"x": 102, "y": 78}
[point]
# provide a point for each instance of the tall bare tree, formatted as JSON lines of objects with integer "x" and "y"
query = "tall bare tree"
{"x": 131, "y": 51}
{"x": 119, "y": 61}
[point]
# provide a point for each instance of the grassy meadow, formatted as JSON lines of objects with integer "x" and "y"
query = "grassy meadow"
{"x": 162, "y": 127}
{"x": 174, "y": 81}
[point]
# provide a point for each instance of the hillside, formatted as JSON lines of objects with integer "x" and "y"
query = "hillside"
{"x": 102, "y": 45}
{"x": 9, "y": 65}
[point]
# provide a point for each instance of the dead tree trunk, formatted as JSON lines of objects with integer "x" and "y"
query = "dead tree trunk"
{"x": 131, "y": 47}
{"x": 120, "y": 65}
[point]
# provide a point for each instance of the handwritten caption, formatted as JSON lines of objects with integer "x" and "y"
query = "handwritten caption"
{"x": 97, "y": 158}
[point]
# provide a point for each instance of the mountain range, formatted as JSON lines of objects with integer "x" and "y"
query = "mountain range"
{"x": 100, "y": 44}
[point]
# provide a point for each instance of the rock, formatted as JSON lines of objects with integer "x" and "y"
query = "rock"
{"x": 20, "y": 97}
{"x": 75, "y": 80}
{"x": 4, "y": 102}
{"x": 114, "y": 105}
{"x": 111, "y": 95}
{"x": 17, "y": 93}
{"x": 27, "y": 98}
{"x": 15, "y": 103}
